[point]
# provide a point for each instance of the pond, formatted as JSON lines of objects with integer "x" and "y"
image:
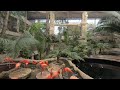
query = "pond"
{"x": 100, "y": 69}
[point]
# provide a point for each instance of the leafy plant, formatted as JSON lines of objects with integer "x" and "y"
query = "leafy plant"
{"x": 24, "y": 41}
{"x": 64, "y": 53}
{"x": 66, "y": 46}
{"x": 110, "y": 24}
{"x": 38, "y": 31}
{"x": 4, "y": 43}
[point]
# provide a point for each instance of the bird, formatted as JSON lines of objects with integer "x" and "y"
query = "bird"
{"x": 50, "y": 75}
{"x": 66, "y": 72}
{"x": 73, "y": 77}
{"x": 25, "y": 61}
{"x": 14, "y": 78}
{"x": 43, "y": 62}
{"x": 46, "y": 62}
{"x": 8, "y": 59}
{"x": 17, "y": 65}
{"x": 55, "y": 74}
{"x": 67, "y": 69}
{"x": 43, "y": 66}
{"x": 34, "y": 62}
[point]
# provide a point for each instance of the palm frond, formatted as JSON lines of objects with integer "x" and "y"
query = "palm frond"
{"x": 110, "y": 24}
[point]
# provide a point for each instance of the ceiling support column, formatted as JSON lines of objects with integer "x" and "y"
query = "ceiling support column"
{"x": 52, "y": 24}
{"x": 52, "y": 27}
{"x": 84, "y": 25}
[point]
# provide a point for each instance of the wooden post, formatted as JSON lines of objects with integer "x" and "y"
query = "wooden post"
{"x": 84, "y": 24}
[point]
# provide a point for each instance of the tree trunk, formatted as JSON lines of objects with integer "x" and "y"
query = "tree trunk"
{"x": 5, "y": 24}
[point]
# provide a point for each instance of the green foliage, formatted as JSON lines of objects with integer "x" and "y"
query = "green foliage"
{"x": 37, "y": 27}
{"x": 38, "y": 31}
{"x": 4, "y": 43}
{"x": 26, "y": 52}
{"x": 95, "y": 45}
{"x": 66, "y": 37}
{"x": 24, "y": 41}
{"x": 18, "y": 13}
{"x": 33, "y": 38}
{"x": 110, "y": 24}
{"x": 64, "y": 53}
{"x": 68, "y": 47}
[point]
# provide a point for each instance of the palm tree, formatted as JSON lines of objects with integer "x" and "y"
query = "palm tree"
{"x": 109, "y": 26}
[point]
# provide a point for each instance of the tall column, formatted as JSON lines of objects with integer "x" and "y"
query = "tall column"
{"x": 84, "y": 24}
{"x": 52, "y": 19}
{"x": 51, "y": 30}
